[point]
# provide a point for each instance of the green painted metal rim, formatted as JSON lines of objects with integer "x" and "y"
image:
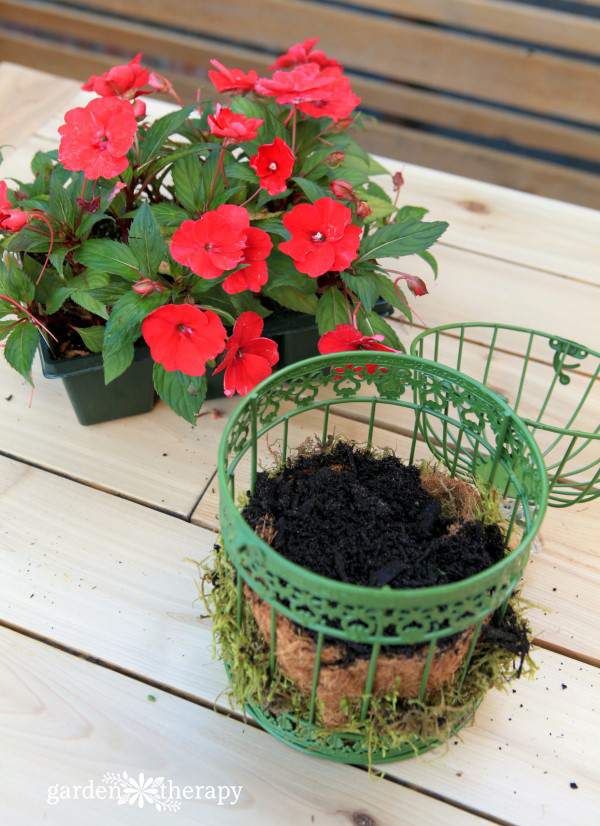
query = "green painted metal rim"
{"x": 379, "y": 597}
{"x": 359, "y": 758}
{"x": 565, "y": 431}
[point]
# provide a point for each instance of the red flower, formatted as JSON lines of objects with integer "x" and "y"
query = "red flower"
{"x": 253, "y": 274}
{"x": 12, "y": 219}
{"x": 233, "y": 127}
{"x": 182, "y": 337}
{"x": 96, "y": 138}
{"x": 231, "y": 80}
{"x": 249, "y": 358}
{"x": 304, "y": 83}
{"x": 323, "y": 237}
{"x": 273, "y": 164}
{"x": 315, "y": 91}
{"x": 346, "y": 337}
{"x": 221, "y": 240}
{"x": 338, "y": 101}
{"x": 303, "y": 53}
{"x": 120, "y": 81}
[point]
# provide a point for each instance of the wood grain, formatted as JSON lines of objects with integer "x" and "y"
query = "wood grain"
{"x": 518, "y": 21}
{"x": 65, "y": 722}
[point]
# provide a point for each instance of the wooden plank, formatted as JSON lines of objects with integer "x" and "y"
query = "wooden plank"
{"x": 65, "y": 722}
{"x": 30, "y": 88}
{"x": 391, "y": 98}
{"x": 529, "y": 79}
{"x": 156, "y": 458}
{"x": 482, "y": 163}
{"x": 520, "y": 21}
{"x": 139, "y": 616}
{"x": 505, "y": 224}
{"x": 473, "y": 287}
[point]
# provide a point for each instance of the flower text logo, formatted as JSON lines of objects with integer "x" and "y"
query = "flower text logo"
{"x": 141, "y": 791}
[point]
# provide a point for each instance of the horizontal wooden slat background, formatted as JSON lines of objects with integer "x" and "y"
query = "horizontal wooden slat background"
{"x": 501, "y": 91}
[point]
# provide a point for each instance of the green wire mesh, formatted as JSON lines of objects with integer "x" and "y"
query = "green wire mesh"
{"x": 552, "y": 383}
{"x": 477, "y": 423}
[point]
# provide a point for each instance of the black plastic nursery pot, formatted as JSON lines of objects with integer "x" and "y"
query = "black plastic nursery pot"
{"x": 94, "y": 401}
{"x": 132, "y": 393}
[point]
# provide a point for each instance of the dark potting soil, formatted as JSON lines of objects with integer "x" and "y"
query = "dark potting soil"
{"x": 347, "y": 515}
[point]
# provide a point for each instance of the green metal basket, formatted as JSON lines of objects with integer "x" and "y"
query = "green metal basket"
{"x": 375, "y": 616}
{"x": 553, "y": 383}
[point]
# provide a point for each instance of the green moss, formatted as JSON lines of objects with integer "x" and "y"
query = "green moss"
{"x": 392, "y": 722}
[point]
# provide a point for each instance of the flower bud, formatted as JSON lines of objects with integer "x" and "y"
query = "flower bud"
{"x": 398, "y": 181}
{"x": 341, "y": 189}
{"x": 146, "y": 286}
{"x": 139, "y": 108}
{"x": 335, "y": 159}
{"x": 363, "y": 210}
{"x": 160, "y": 84}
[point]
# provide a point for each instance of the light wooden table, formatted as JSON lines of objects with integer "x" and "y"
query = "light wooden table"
{"x": 106, "y": 665}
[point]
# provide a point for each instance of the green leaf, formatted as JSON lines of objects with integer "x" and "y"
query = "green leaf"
{"x": 81, "y": 287}
{"x": 105, "y": 255}
{"x": 161, "y": 129}
{"x": 186, "y": 178}
{"x": 395, "y": 240}
{"x": 331, "y": 310}
{"x": 428, "y": 257}
{"x": 294, "y": 299}
{"x": 273, "y": 227}
{"x": 16, "y": 282}
{"x": 117, "y": 361}
{"x": 246, "y": 302}
{"x": 125, "y": 321}
{"x": 389, "y": 294}
{"x": 379, "y": 326}
{"x": 312, "y": 190}
{"x": 20, "y": 347}
{"x": 169, "y": 215}
{"x": 146, "y": 242}
{"x": 365, "y": 286}
{"x": 92, "y": 337}
{"x": 184, "y": 394}
{"x": 283, "y": 273}
{"x": 61, "y": 204}
{"x": 241, "y": 172}
{"x": 408, "y": 214}
{"x": 57, "y": 298}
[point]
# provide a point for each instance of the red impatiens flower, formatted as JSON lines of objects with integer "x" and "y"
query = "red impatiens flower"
{"x": 253, "y": 273}
{"x": 222, "y": 240}
{"x": 315, "y": 91}
{"x": 249, "y": 358}
{"x": 323, "y": 237}
{"x": 182, "y": 337}
{"x": 96, "y": 138}
{"x": 347, "y": 337}
{"x": 338, "y": 101}
{"x": 119, "y": 81}
{"x": 233, "y": 127}
{"x": 273, "y": 164}
{"x": 304, "y": 83}
{"x": 12, "y": 219}
{"x": 303, "y": 53}
{"x": 231, "y": 80}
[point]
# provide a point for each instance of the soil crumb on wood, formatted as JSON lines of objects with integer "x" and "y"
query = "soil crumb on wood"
{"x": 349, "y": 515}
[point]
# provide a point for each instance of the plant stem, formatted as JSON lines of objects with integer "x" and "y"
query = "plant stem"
{"x": 294, "y": 119}
{"x": 254, "y": 194}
